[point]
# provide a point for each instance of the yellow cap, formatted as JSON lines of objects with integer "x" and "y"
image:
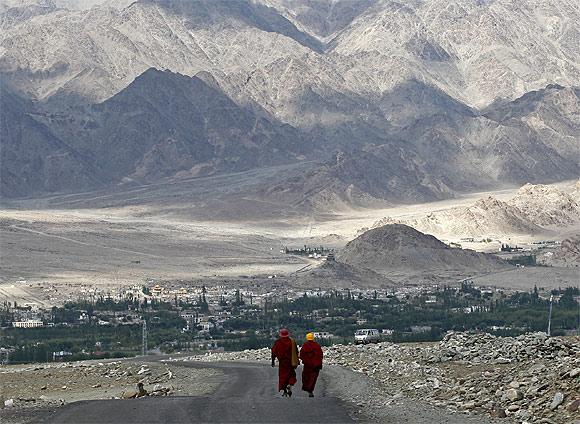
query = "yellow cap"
{"x": 310, "y": 336}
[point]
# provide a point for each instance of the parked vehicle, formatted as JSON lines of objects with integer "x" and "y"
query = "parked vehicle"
{"x": 367, "y": 335}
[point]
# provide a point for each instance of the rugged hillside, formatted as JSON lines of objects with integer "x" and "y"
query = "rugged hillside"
{"x": 396, "y": 247}
{"x": 486, "y": 217}
{"x": 566, "y": 254}
{"x": 32, "y": 157}
{"x": 535, "y": 209}
{"x": 422, "y": 100}
{"x": 162, "y": 125}
{"x": 386, "y": 173}
{"x": 546, "y": 205}
{"x": 477, "y": 51}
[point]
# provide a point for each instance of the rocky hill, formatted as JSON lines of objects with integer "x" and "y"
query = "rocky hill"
{"x": 485, "y": 217}
{"x": 567, "y": 254}
{"x": 334, "y": 274}
{"x": 535, "y": 209}
{"x": 397, "y": 247}
{"x": 546, "y": 205}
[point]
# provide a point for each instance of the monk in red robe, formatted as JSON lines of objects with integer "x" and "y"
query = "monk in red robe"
{"x": 286, "y": 351}
{"x": 311, "y": 355}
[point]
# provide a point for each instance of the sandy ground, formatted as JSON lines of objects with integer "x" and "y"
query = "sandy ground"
{"x": 526, "y": 278}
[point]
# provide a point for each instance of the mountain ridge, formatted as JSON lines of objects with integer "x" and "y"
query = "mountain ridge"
{"x": 387, "y": 87}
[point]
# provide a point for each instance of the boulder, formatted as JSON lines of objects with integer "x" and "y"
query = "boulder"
{"x": 498, "y": 413}
{"x": 557, "y": 401}
{"x": 514, "y": 394}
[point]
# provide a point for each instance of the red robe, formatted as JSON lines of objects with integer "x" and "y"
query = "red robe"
{"x": 282, "y": 350}
{"x": 311, "y": 355}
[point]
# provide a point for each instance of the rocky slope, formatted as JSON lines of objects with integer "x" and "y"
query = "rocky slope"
{"x": 477, "y": 51}
{"x": 546, "y": 205}
{"x": 32, "y": 157}
{"x": 162, "y": 125}
{"x": 567, "y": 254}
{"x": 535, "y": 209}
{"x": 394, "y": 88}
{"x": 398, "y": 247}
{"x": 531, "y": 378}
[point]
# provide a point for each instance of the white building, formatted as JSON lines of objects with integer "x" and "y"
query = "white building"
{"x": 322, "y": 335}
{"x": 28, "y": 324}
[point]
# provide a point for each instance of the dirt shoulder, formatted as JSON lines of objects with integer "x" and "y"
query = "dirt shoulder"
{"x": 36, "y": 390}
{"x": 369, "y": 402}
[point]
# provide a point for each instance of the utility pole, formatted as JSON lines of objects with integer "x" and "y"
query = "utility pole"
{"x": 144, "y": 339}
{"x": 550, "y": 317}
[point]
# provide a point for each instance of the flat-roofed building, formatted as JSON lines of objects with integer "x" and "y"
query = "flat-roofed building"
{"x": 28, "y": 324}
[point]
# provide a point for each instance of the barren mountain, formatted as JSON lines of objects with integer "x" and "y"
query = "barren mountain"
{"x": 162, "y": 125}
{"x": 334, "y": 274}
{"x": 392, "y": 89}
{"x": 535, "y": 209}
{"x": 396, "y": 247}
{"x": 546, "y": 205}
{"x": 32, "y": 157}
{"x": 477, "y": 51}
{"x": 486, "y": 217}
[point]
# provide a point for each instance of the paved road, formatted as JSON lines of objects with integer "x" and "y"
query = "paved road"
{"x": 247, "y": 395}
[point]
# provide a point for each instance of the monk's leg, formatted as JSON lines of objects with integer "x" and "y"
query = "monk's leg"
{"x": 314, "y": 379}
{"x": 282, "y": 377}
{"x": 309, "y": 376}
{"x": 292, "y": 377}
{"x": 286, "y": 376}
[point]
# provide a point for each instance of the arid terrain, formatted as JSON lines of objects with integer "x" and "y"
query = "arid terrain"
{"x": 184, "y": 233}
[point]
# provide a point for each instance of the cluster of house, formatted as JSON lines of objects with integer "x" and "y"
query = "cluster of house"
{"x": 207, "y": 308}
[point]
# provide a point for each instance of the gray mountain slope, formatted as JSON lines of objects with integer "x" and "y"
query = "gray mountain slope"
{"x": 162, "y": 125}
{"x": 392, "y": 86}
{"x": 321, "y": 18}
{"x": 474, "y": 51}
{"x": 437, "y": 146}
{"x": 32, "y": 159}
{"x": 166, "y": 123}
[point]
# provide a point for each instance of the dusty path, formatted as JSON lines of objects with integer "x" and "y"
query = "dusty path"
{"x": 40, "y": 233}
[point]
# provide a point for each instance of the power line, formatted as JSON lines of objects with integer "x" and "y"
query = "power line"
{"x": 144, "y": 339}
{"x": 550, "y": 317}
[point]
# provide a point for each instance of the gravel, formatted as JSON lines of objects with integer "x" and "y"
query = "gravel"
{"x": 36, "y": 388}
{"x": 531, "y": 378}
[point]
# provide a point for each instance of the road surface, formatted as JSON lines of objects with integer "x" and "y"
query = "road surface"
{"x": 246, "y": 395}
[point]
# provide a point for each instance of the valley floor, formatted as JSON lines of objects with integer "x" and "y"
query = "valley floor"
{"x": 51, "y": 245}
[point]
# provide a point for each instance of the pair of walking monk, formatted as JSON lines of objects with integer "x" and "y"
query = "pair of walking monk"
{"x": 286, "y": 351}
